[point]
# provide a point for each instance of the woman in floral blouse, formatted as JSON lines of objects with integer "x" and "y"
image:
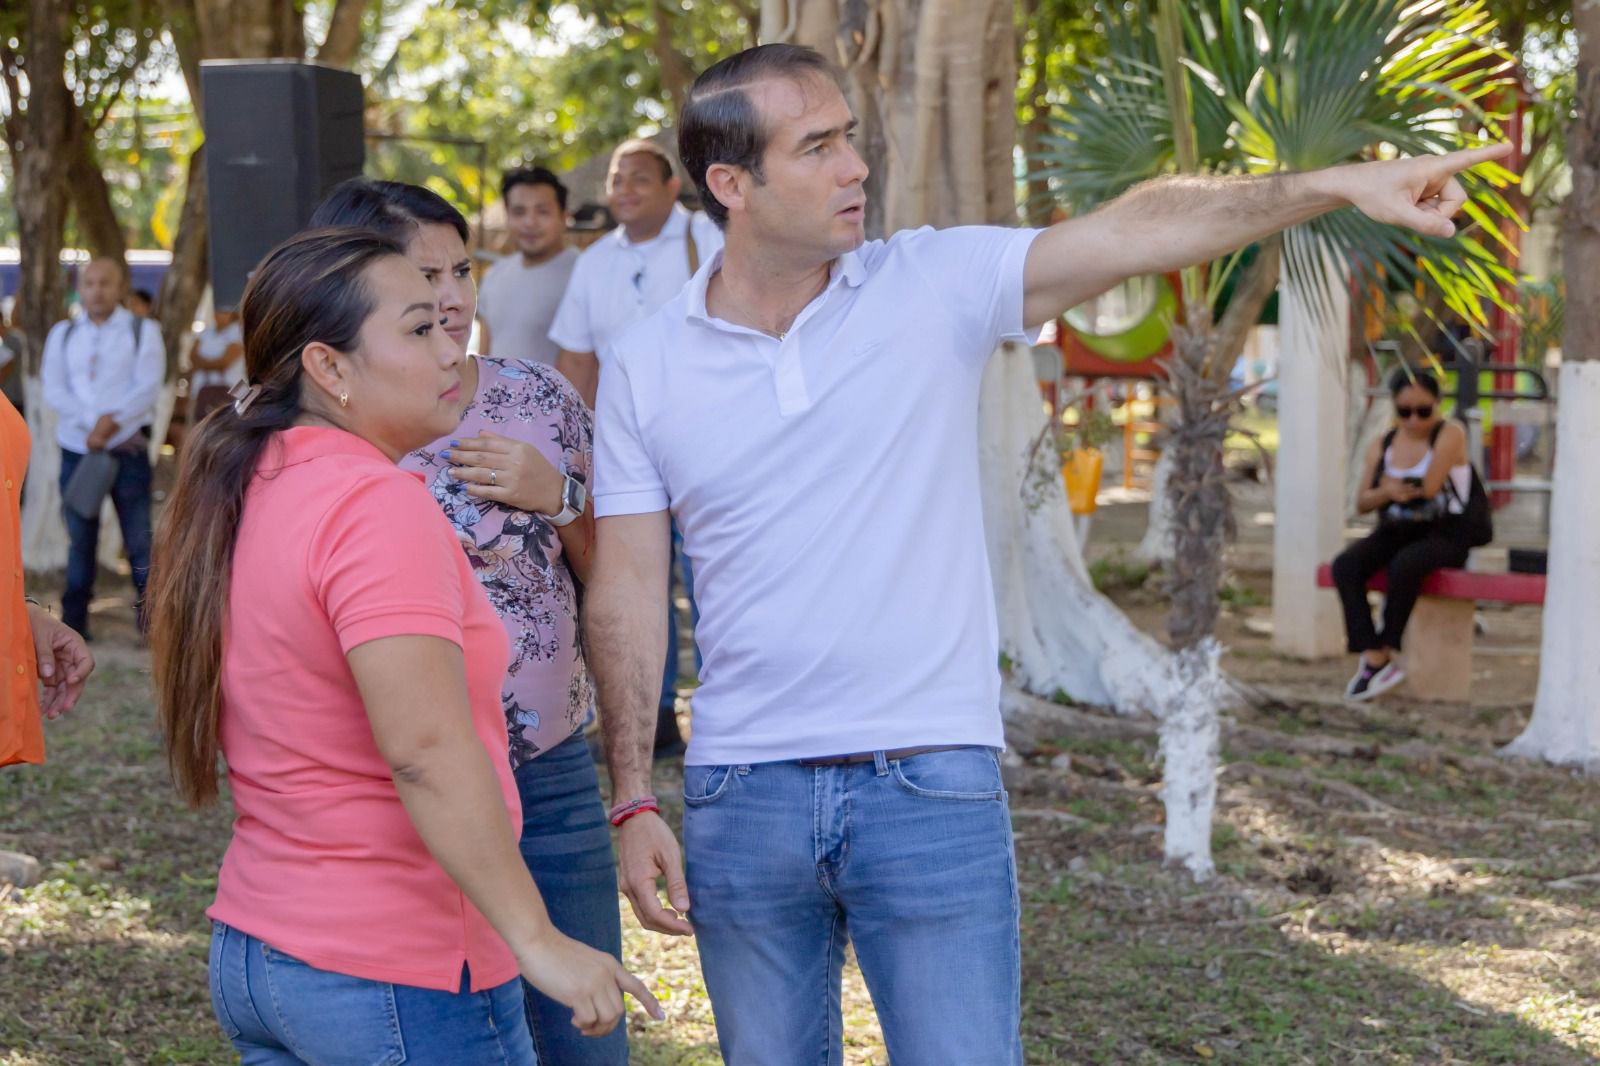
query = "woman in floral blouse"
{"x": 512, "y": 480}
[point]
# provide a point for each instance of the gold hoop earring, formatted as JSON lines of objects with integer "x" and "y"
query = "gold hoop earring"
{"x": 344, "y": 399}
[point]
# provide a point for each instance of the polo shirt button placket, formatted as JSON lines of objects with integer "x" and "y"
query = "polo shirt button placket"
{"x": 793, "y": 396}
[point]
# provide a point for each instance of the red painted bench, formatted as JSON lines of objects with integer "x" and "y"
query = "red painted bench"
{"x": 1438, "y": 639}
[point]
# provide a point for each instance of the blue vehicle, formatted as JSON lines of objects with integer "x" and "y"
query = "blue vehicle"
{"x": 145, "y": 270}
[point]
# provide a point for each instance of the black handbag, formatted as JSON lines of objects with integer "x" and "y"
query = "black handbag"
{"x": 1474, "y": 525}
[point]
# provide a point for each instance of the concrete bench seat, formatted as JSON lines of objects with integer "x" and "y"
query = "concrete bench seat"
{"x": 1438, "y": 638}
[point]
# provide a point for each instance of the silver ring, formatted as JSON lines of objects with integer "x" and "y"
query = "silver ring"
{"x": 492, "y": 475}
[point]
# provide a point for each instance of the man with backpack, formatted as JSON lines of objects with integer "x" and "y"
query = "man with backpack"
{"x": 102, "y": 373}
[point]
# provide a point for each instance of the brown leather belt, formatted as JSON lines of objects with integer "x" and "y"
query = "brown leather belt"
{"x": 869, "y": 756}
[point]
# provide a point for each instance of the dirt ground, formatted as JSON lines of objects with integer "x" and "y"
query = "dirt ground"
{"x": 1389, "y": 890}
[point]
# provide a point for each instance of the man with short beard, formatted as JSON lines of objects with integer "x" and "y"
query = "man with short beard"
{"x": 102, "y": 373}
{"x": 518, "y": 298}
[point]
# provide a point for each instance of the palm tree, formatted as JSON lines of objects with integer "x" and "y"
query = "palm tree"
{"x": 1284, "y": 85}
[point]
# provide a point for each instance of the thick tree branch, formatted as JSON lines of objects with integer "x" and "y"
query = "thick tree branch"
{"x": 91, "y": 196}
{"x": 339, "y": 47}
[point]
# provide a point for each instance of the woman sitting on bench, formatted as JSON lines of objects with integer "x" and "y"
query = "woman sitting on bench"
{"x": 1420, "y": 491}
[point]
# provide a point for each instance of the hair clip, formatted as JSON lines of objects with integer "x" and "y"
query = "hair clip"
{"x": 244, "y": 394}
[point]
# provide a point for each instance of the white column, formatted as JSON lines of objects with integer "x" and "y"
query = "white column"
{"x": 1308, "y": 492}
{"x": 1565, "y": 728}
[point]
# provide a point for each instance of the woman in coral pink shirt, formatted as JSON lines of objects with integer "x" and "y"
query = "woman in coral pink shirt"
{"x": 316, "y": 622}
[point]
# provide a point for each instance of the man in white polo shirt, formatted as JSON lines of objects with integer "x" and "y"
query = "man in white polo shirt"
{"x": 807, "y": 410}
{"x": 621, "y": 278}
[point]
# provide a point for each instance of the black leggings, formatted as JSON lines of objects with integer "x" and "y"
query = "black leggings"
{"x": 1410, "y": 554}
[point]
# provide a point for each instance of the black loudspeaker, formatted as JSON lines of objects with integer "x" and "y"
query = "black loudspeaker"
{"x": 279, "y": 135}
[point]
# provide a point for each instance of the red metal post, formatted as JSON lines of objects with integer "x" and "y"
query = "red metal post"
{"x": 1508, "y": 327}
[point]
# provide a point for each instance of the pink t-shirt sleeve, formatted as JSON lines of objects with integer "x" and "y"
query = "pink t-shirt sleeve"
{"x": 385, "y": 563}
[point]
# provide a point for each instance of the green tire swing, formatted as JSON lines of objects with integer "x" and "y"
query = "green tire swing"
{"x": 1146, "y": 329}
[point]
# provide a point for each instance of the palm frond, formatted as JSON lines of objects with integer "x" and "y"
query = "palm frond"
{"x": 1295, "y": 85}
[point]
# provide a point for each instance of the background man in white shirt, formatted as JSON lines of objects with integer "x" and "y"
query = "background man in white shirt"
{"x": 102, "y": 373}
{"x": 518, "y": 298}
{"x": 807, "y": 411}
{"x": 622, "y": 278}
{"x": 634, "y": 269}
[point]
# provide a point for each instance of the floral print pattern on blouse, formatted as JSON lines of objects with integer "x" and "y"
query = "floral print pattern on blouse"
{"x": 516, "y": 555}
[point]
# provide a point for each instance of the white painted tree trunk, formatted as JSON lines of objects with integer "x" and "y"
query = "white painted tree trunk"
{"x": 1565, "y": 728}
{"x": 1156, "y": 547}
{"x": 44, "y": 532}
{"x": 1189, "y": 752}
{"x": 1058, "y": 632}
{"x": 44, "y": 535}
{"x": 1309, "y": 487}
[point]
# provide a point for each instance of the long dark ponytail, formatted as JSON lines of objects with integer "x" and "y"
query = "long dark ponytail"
{"x": 309, "y": 288}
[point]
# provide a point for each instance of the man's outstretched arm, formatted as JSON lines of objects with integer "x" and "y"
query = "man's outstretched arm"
{"x": 1179, "y": 221}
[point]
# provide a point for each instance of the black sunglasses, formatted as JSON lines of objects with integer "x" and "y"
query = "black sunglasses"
{"x": 1425, "y": 411}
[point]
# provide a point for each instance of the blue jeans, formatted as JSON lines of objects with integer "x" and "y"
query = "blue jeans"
{"x": 130, "y": 493}
{"x": 566, "y": 842}
{"x": 911, "y": 859}
{"x": 279, "y": 1011}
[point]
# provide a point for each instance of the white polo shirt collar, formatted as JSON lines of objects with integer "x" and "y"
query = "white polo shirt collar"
{"x": 784, "y": 353}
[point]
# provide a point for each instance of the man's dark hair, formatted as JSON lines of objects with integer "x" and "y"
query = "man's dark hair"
{"x": 144, "y": 294}
{"x": 392, "y": 208}
{"x": 720, "y": 123}
{"x": 533, "y": 176}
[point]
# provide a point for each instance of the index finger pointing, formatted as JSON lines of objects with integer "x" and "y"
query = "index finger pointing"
{"x": 1467, "y": 158}
{"x": 635, "y": 988}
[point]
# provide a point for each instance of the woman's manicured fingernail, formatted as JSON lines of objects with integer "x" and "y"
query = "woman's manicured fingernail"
{"x": 445, "y": 454}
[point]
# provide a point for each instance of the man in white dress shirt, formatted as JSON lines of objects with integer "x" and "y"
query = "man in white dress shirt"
{"x": 102, "y": 373}
{"x": 622, "y": 278}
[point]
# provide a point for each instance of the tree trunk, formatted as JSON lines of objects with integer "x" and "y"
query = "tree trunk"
{"x": 1566, "y": 716}
{"x": 40, "y": 201}
{"x": 1057, "y": 633}
{"x": 257, "y": 29}
{"x": 1250, "y": 298}
{"x": 676, "y": 73}
{"x": 344, "y": 34}
{"x": 933, "y": 85}
{"x": 1039, "y": 204}
{"x": 40, "y": 198}
{"x": 185, "y": 280}
{"x": 91, "y": 197}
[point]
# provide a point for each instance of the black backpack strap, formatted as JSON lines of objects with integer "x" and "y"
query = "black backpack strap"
{"x": 1377, "y": 470}
{"x": 1433, "y": 438}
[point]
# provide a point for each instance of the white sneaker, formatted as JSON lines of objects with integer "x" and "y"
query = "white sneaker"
{"x": 1387, "y": 677}
{"x": 1357, "y": 687}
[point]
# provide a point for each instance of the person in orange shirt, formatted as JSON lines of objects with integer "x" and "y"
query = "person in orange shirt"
{"x": 36, "y": 649}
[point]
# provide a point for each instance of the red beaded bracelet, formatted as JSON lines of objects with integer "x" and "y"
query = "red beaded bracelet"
{"x": 623, "y": 811}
